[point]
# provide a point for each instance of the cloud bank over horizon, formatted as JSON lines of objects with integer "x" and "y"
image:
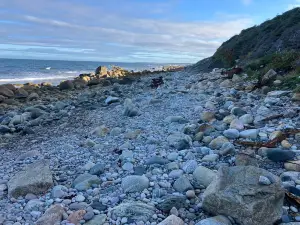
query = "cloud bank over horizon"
{"x": 118, "y": 31}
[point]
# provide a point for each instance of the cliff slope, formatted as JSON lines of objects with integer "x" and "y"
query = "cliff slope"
{"x": 278, "y": 35}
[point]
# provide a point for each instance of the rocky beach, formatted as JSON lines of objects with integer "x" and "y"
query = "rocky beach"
{"x": 214, "y": 143}
{"x": 194, "y": 148}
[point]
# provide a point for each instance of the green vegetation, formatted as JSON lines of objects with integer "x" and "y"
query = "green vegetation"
{"x": 276, "y": 40}
{"x": 286, "y": 64}
{"x": 280, "y": 62}
{"x": 291, "y": 81}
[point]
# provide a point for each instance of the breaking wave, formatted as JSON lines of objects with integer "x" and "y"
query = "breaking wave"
{"x": 28, "y": 79}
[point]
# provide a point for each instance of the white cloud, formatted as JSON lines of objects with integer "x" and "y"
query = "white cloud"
{"x": 293, "y": 5}
{"x": 113, "y": 34}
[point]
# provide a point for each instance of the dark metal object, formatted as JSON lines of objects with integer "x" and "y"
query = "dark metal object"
{"x": 156, "y": 82}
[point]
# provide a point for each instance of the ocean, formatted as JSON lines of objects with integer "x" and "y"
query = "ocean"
{"x": 19, "y": 71}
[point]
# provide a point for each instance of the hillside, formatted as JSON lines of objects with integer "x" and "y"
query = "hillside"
{"x": 281, "y": 34}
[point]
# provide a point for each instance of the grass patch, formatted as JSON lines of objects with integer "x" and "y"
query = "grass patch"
{"x": 286, "y": 64}
{"x": 290, "y": 81}
{"x": 282, "y": 63}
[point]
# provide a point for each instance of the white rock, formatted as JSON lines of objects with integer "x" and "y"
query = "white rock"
{"x": 249, "y": 134}
{"x": 237, "y": 124}
{"x": 264, "y": 180}
{"x": 128, "y": 166}
{"x": 79, "y": 198}
{"x": 231, "y": 133}
{"x": 217, "y": 220}
{"x": 210, "y": 158}
{"x": 88, "y": 165}
{"x": 173, "y": 156}
{"x": 111, "y": 99}
{"x": 247, "y": 119}
{"x": 278, "y": 93}
{"x": 3, "y": 187}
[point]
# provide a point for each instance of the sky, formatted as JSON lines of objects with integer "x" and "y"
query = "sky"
{"x": 163, "y": 31}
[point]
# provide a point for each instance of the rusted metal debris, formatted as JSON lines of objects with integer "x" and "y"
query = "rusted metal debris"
{"x": 232, "y": 71}
{"x": 269, "y": 144}
{"x": 117, "y": 151}
{"x": 156, "y": 82}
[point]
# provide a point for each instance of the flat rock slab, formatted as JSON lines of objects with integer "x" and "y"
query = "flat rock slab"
{"x": 135, "y": 183}
{"x": 136, "y": 211}
{"x": 171, "y": 201}
{"x": 36, "y": 178}
{"x": 97, "y": 220}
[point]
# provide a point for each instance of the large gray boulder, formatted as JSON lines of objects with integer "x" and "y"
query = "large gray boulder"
{"x": 36, "y": 178}
{"x": 5, "y": 91}
{"x": 66, "y": 85}
{"x": 268, "y": 77}
{"x": 101, "y": 70}
{"x": 236, "y": 192}
{"x": 21, "y": 93}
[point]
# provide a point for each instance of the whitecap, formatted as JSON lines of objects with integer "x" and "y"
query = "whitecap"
{"x": 28, "y": 79}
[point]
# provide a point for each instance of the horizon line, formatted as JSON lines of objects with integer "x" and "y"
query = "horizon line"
{"x": 68, "y": 60}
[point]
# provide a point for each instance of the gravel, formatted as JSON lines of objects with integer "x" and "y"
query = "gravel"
{"x": 158, "y": 148}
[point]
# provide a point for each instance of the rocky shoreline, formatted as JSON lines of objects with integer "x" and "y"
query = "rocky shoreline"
{"x": 192, "y": 149}
{"x": 15, "y": 95}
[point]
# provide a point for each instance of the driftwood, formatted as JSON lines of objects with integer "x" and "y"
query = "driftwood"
{"x": 292, "y": 196}
{"x": 273, "y": 117}
{"x": 269, "y": 144}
